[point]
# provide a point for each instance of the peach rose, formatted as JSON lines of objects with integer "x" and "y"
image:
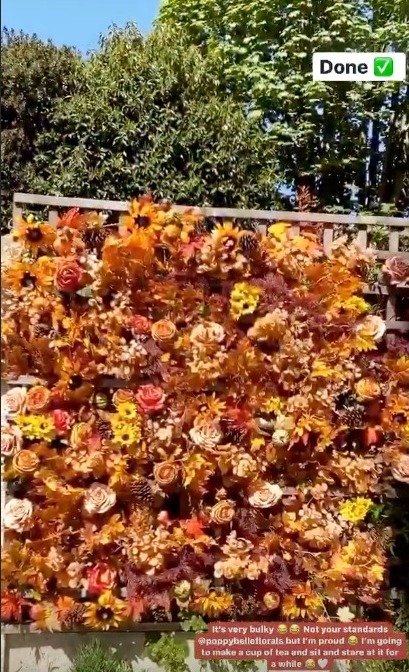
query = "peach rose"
{"x": 271, "y": 601}
{"x": 396, "y": 268}
{"x": 18, "y": 515}
{"x": 150, "y": 398}
{"x": 373, "y": 326}
{"x": 263, "y": 495}
{"x": 206, "y": 334}
{"x": 206, "y": 434}
{"x": 163, "y": 331}
{"x": 13, "y": 402}
{"x": 139, "y": 325}
{"x": 367, "y": 389}
{"x": 25, "y": 462}
{"x": 165, "y": 473}
{"x": 11, "y": 440}
{"x": 122, "y": 397}
{"x": 74, "y": 572}
{"x": 37, "y": 399}
{"x": 400, "y": 469}
{"x": 99, "y": 499}
{"x": 222, "y": 512}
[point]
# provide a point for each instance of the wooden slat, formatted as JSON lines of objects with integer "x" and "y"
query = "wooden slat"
{"x": 228, "y": 213}
{"x": 11, "y": 629}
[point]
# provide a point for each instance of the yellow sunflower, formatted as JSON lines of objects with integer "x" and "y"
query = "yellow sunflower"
{"x": 224, "y": 233}
{"x": 35, "y": 236}
{"x": 302, "y": 602}
{"x": 107, "y": 613}
{"x": 125, "y": 433}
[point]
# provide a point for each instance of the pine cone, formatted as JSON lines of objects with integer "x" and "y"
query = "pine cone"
{"x": 41, "y": 331}
{"x": 353, "y": 416}
{"x": 249, "y": 242}
{"x": 142, "y": 490}
{"x": 159, "y": 615}
{"x": 104, "y": 428}
{"x": 247, "y": 607}
{"x": 94, "y": 237}
{"x": 76, "y": 615}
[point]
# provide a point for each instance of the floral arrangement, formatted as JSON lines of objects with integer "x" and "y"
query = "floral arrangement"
{"x": 213, "y": 416}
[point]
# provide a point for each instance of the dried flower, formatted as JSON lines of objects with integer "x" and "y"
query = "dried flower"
{"x": 13, "y": 402}
{"x": 222, "y": 512}
{"x": 37, "y": 399}
{"x": 355, "y": 510}
{"x": 165, "y": 473}
{"x": 18, "y": 515}
{"x": 69, "y": 276}
{"x": 396, "y": 268}
{"x": 400, "y": 469}
{"x": 150, "y": 398}
{"x": 99, "y": 499}
{"x": 263, "y": 495}
{"x": 25, "y": 462}
{"x": 163, "y": 331}
{"x": 11, "y": 440}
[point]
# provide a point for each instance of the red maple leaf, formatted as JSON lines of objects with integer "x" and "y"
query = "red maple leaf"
{"x": 11, "y": 606}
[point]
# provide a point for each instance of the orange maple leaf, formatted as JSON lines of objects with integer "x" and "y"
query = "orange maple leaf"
{"x": 193, "y": 527}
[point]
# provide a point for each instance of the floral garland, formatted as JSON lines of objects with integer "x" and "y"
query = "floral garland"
{"x": 261, "y": 416}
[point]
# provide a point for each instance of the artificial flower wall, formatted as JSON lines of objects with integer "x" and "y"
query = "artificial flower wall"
{"x": 256, "y": 416}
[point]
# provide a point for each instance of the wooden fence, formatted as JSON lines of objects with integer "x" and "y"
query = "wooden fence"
{"x": 329, "y": 224}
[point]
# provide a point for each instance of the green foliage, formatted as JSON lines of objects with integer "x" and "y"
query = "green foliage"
{"x": 330, "y": 134}
{"x": 34, "y": 76}
{"x": 168, "y": 652}
{"x": 149, "y": 116}
{"x": 94, "y": 658}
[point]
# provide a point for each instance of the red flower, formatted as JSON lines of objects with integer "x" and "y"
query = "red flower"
{"x": 69, "y": 277}
{"x": 100, "y": 578}
{"x": 139, "y": 325}
{"x": 62, "y": 420}
{"x": 150, "y": 398}
{"x": 11, "y": 606}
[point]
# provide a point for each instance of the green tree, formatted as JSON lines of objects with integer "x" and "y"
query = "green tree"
{"x": 149, "y": 116}
{"x": 34, "y": 75}
{"x": 330, "y": 134}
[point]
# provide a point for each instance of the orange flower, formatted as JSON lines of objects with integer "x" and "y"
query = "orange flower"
{"x": 100, "y": 578}
{"x": 25, "y": 462}
{"x": 367, "y": 389}
{"x": 303, "y": 602}
{"x": 123, "y": 397}
{"x": 35, "y": 236}
{"x": 222, "y": 512}
{"x": 165, "y": 473}
{"x": 105, "y": 614}
{"x": 37, "y": 399}
{"x": 163, "y": 331}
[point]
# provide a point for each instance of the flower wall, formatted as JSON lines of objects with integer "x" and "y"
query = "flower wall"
{"x": 255, "y": 417}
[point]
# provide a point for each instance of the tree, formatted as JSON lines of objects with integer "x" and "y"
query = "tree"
{"x": 34, "y": 75}
{"x": 149, "y": 116}
{"x": 330, "y": 134}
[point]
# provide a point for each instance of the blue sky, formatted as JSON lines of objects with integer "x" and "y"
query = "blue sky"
{"x": 77, "y": 23}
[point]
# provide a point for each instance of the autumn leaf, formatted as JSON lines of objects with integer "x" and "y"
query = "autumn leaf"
{"x": 279, "y": 230}
{"x": 64, "y": 606}
{"x": 192, "y": 527}
{"x": 136, "y": 607}
{"x": 11, "y": 606}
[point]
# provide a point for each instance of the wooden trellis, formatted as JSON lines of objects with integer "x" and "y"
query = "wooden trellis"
{"x": 329, "y": 224}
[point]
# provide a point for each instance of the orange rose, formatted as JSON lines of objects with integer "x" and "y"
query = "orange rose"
{"x": 69, "y": 277}
{"x": 165, "y": 473}
{"x": 367, "y": 389}
{"x": 101, "y": 577}
{"x": 37, "y": 399}
{"x": 222, "y": 512}
{"x": 163, "y": 331}
{"x": 80, "y": 435}
{"x": 25, "y": 462}
{"x": 139, "y": 325}
{"x": 123, "y": 397}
